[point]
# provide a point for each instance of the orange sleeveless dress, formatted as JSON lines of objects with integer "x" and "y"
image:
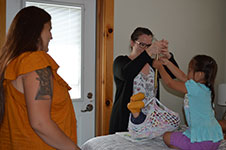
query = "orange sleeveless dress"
{"x": 16, "y": 132}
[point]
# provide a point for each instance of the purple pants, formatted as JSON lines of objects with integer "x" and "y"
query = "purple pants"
{"x": 182, "y": 142}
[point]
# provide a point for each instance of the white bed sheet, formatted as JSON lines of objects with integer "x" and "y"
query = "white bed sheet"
{"x": 117, "y": 142}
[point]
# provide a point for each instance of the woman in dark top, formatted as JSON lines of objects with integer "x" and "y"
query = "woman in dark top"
{"x": 126, "y": 68}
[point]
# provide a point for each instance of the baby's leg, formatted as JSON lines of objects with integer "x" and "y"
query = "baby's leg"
{"x": 139, "y": 119}
{"x": 136, "y": 104}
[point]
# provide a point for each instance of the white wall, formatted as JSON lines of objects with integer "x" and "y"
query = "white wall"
{"x": 191, "y": 27}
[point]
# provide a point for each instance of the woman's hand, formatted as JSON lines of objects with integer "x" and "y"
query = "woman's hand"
{"x": 164, "y": 51}
{"x": 159, "y": 47}
{"x": 157, "y": 64}
{"x": 154, "y": 48}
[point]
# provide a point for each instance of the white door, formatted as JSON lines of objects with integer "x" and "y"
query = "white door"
{"x": 73, "y": 48}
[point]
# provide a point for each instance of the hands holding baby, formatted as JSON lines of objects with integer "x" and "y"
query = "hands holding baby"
{"x": 159, "y": 48}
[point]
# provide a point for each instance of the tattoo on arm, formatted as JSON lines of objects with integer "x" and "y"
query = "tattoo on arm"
{"x": 45, "y": 87}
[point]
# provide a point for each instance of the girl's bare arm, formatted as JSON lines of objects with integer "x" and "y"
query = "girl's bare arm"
{"x": 174, "y": 84}
{"x": 175, "y": 70}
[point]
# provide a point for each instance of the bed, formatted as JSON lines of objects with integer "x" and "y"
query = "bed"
{"x": 120, "y": 141}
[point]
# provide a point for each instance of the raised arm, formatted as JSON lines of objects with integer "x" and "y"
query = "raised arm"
{"x": 174, "y": 69}
{"x": 174, "y": 84}
{"x": 38, "y": 92}
{"x": 126, "y": 69}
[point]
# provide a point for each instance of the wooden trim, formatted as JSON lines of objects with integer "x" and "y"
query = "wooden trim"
{"x": 104, "y": 61}
{"x": 2, "y": 21}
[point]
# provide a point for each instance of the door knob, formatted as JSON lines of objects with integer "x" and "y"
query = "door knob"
{"x": 89, "y": 95}
{"x": 89, "y": 107}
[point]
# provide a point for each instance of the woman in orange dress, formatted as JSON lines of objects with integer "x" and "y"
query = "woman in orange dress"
{"x": 36, "y": 111}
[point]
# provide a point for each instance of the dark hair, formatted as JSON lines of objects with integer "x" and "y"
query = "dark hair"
{"x": 206, "y": 64}
{"x": 140, "y": 31}
{"x": 23, "y": 35}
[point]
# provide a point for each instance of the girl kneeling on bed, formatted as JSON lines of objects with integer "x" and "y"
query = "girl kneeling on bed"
{"x": 204, "y": 132}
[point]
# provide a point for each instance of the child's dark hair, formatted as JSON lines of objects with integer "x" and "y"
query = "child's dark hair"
{"x": 140, "y": 31}
{"x": 208, "y": 65}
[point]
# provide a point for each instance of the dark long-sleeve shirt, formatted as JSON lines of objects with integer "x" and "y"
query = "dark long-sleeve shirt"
{"x": 125, "y": 70}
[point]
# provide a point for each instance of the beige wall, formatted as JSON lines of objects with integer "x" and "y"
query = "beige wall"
{"x": 191, "y": 27}
{"x": 225, "y": 43}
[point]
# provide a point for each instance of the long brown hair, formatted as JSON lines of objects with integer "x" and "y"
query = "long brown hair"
{"x": 23, "y": 35}
{"x": 208, "y": 65}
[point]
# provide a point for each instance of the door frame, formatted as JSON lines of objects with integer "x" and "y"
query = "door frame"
{"x": 104, "y": 65}
{"x": 2, "y": 21}
{"x": 104, "y": 60}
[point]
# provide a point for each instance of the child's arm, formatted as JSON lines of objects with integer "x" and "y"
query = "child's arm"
{"x": 174, "y": 69}
{"x": 174, "y": 84}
